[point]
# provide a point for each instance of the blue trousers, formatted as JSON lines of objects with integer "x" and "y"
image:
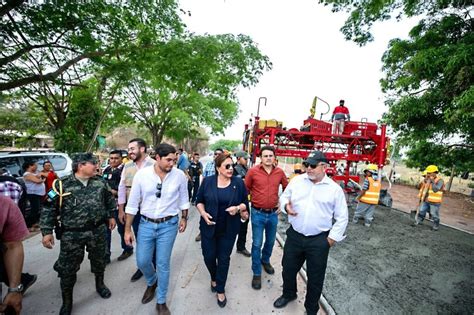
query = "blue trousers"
{"x": 157, "y": 237}
{"x": 262, "y": 222}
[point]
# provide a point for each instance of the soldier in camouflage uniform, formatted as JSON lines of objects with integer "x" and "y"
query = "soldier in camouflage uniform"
{"x": 85, "y": 214}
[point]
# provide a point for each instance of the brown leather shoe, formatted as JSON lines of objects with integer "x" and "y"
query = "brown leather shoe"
{"x": 149, "y": 294}
{"x": 162, "y": 309}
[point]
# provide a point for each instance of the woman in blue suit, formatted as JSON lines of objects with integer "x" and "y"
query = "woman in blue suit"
{"x": 222, "y": 202}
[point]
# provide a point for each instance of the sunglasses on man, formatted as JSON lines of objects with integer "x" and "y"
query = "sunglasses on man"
{"x": 313, "y": 166}
{"x": 158, "y": 190}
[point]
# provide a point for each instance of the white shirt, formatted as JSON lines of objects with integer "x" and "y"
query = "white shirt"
{"x": 316, "y": 204}
{"x": 174, "y": 194}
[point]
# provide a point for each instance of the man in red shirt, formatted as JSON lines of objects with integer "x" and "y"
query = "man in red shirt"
{"x": 12, "y": 231}
{"x": 339, "y": 116}
{"x": 262, "y": 182}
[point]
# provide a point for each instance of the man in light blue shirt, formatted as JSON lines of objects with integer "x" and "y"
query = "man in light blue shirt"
{"x": 312, "y": 201}
{"x": 183, "y": 161}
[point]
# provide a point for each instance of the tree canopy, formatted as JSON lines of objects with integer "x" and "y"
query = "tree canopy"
{"x": 145, "y": 66}
{"x": 428, "y": 78}
{"x": 229, "y": 145}
{"x": 190, "y": 82}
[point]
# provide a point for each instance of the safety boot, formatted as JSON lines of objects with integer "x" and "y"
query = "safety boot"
{"x": 100, "y": 287}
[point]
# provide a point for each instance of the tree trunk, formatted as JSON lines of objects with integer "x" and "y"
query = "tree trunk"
{"x": 156, "y": 136}
{"x": 101, "y": 120}
{"x": 448, "y": 187}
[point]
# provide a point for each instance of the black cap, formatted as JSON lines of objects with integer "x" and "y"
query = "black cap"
{"x": 315, "y": 157}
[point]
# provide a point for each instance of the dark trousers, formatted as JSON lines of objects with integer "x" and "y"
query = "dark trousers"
{"x": 242, "y": 235}
{"x": 193, "y": 187}
{"x": 121, "y": 231}
{"x": 216, "y": 251}
{"x": 298, "y": 249}
{"x": 35, "y": 210}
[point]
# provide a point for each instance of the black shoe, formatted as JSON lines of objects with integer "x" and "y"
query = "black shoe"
{"x": 282, "y": 301}
{"x": 257, "y": 282}
{"x": 137, "y": 275}
{"x": 244, "y": 252}
{"x": 125, "y": 255}
{"x": 213, "y": 289}
{"x": 222, "y": 303}
{"x": 149, "y": 293}
{"x": 268, "y": 268}
{"x": 27, "y": 280}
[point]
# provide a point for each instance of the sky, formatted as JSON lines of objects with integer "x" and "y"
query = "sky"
{"x": 309, "y": 54}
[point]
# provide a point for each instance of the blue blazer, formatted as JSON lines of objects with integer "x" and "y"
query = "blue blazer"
{"x": 207, "y": 195}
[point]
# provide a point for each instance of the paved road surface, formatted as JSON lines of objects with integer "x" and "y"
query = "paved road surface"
{"x": 189, "y": 290}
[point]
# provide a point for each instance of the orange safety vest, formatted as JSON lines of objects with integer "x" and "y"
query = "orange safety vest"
{"x": 422, "y": 191}
{"x": 435, "y": 197}
{"x": 371, "y": 196}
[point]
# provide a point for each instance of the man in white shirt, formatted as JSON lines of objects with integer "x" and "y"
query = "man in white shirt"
{"x": 160, "y": 192}
{"x": 312, "y": 201}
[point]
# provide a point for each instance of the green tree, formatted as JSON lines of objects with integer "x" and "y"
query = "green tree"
{"x": 229, "y": 145}
{"x": 191, "y": 82}
{"x": 428, "y": 78}
{"x": 41, "y": 40}
{"x": 84, "y": 114}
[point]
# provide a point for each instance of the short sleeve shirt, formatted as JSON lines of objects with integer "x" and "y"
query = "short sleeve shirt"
{"x": 12, "y": 224}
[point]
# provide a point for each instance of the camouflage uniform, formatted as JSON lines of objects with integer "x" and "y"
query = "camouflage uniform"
{"x": 84, "y": 219}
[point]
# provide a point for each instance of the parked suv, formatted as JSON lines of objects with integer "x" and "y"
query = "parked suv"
{"x": 14, "y": 160}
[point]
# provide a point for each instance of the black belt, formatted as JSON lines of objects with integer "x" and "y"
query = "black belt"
{"x": 159, "y": 220}
{"x": 266, "y": 210}
{"x": 89, "y": 227}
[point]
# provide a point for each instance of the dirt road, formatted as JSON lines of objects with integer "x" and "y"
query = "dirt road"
{"x": 396, "y": 268}
{"x": 457, "y": 210}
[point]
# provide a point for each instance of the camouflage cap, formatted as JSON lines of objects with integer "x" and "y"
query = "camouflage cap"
{"x": 83, "y": 157}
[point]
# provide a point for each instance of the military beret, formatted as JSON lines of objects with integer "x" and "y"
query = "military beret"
{"x": 83, "y": 157}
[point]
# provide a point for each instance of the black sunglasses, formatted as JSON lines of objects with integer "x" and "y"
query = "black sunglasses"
{"x": 313, "y": 166}
{"x": 158, "y": 190}
{"x": 229, "y": 166}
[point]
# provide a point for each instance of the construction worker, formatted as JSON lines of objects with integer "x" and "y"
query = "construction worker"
{"x": 368, "y": 197}
{"x": 422, "y": 191}
{"x": 297, "y": 170}
{"x": 339, "y": 116}
{"x": 432, "y": 200}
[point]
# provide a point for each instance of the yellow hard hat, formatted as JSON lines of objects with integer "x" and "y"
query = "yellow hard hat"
{"x": 432, "y": 169}
{"x": 423, "y": 173}
{"x": 297, "y": 166}
{"x": 372, "y": 168}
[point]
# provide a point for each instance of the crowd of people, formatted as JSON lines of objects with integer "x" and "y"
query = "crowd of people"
{"x": 149, "y": 200}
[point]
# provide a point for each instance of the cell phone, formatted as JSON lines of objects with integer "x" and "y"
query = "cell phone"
{"x": 52, "y": 195}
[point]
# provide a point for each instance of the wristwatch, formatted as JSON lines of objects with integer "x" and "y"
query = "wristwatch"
{"x": 18, "y": 289}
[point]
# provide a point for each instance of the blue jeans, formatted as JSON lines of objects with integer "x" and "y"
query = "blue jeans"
{"x": 262, "y": 222}
{"x": 159, "y": 237}
{"x": 433, "y": 208}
